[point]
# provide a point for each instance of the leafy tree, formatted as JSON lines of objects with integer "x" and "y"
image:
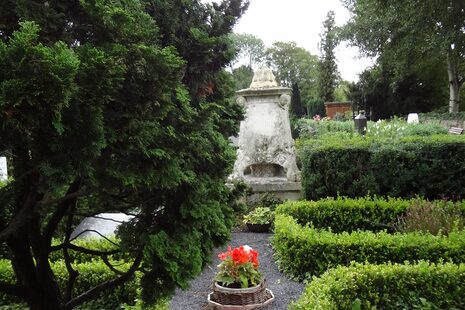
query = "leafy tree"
{"x": 115, "y": 106}
{"x": 293, "y": 64}
{"x": 327, "y": 69}
{"x": 409, "y": 32}
{"x": 250, "y": 48}
{"x": 383, "y": 93}
{"x": 341, "y": 92}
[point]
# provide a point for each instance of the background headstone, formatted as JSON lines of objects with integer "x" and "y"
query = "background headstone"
{"x": 3, "y": 169}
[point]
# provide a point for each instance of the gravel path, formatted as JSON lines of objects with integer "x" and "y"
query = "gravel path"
{"x": 284, "y": 289}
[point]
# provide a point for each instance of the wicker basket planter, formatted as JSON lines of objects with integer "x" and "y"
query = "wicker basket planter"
{"x": 225, "y": 298}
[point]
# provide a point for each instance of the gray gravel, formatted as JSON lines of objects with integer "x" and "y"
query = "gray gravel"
{"x": 284, "y": 289}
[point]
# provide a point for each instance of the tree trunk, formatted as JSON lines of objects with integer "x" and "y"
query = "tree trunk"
{"x": 37, "y": 297}
{"x": 454, "y": 82}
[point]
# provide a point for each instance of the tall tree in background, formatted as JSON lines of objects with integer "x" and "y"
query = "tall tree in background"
{"x": 293, "y": 64}
{"x": 327, "y": 69}
{"x": 251, "y": 49}
{"x": 107, "y": 108}
{"x": 406, "y": 33}
{"x": 297, "y": 109}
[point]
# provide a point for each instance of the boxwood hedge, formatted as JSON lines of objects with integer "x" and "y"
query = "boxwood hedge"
{"x": 305, "y": 251}
{"x": 431, "y": 167}
{"x": 349, "y": 214}
{"x": 387, "y": 286}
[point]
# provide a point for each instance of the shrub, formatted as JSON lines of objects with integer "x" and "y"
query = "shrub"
{"x": 387, "y": 286}
{"x": 304, "y": 251}
{"x": 346, "y": 214}
{"x": 432, "y": 217}
{"x": 91, "y": 273}
{"x": 260, "y": 216}
{"x": 430, "y": 167}
{"x": 375, "y": 214}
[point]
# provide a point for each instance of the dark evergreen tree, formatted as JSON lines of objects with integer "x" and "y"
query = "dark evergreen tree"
{"x": 327, "y": 68}
{"x": 296, "y": 102}
{"x": 107, "y": 108}
{"x": 242, "y": 76}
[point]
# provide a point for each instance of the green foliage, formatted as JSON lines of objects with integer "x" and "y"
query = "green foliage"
{"x": 309, "y": 128}
{"x": 250, "y": 49}
{"x": 259, "y": 215}
{"x": 422, "y": 35}
{"x": 327, "y": 67}
{"x": 239, "y": 268}
{"x": 387, "y": 286}
{"x": 432, "y": 217}
{"x": 242, "y": 76}
{"x": 316, "y": 107}
{"x": 385, "y": 93}
{"x": 91, "y": 273}
{"x": 293, "y": 64}
{"x": 460, "y": 116}
{"x": 117, "y": 106}
{"x": 354, "y": 166}
{"x": 305, "y": 251}
{"x": 96, "y": 244}
{"x": 345, "y": 214}
{"x": 297, "y": 108}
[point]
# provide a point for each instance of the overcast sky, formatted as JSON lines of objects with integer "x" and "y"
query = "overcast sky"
{"x": 300, "y": 21}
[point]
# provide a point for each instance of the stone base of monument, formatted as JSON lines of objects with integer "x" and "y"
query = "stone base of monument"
{"x": 280, "y": 187}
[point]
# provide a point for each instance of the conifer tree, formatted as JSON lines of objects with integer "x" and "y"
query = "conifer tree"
{"x": 327, "y": 69}
{"x": 111, "y": 106}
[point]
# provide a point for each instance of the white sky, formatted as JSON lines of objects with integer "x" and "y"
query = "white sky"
{"x": 300, "y": 21}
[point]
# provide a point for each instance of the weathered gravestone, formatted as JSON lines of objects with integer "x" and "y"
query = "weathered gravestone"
{"x": 266, "y": 156}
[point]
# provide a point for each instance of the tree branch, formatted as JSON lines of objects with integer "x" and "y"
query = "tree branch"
{"x": 110, "y": 266}
{"x": 95, "y": 291}
{"x": 63, "y": 207}
{"x": 72, "y": 273}
{"x": 95, "y": 231}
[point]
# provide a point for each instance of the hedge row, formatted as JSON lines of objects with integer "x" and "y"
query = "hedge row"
{"x": 421, "y": 286}
{"x": 348, "y": 214}
{"x": 431, "y": 167}
{"x": 305, "y": 251}
{"x": 90, "y": 274}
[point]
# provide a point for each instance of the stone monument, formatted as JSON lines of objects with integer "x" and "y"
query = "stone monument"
{"x": 266, "y": 156}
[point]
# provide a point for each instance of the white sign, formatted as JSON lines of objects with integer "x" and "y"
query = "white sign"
{"x": 3, "y": 169}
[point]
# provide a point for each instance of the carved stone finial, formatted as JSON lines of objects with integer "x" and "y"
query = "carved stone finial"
{"x": 263, "y": 78}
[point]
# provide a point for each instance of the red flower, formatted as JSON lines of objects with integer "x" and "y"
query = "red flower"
{"x": 239, "y": 256}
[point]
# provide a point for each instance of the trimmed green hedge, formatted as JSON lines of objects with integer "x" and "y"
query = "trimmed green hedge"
{"x": 421, "y": 286}
{"x": 91, "y": 273}
{"x": 431, "y": 167}
{"x": 305, "y": 251}
{"x": 348, "y": 214}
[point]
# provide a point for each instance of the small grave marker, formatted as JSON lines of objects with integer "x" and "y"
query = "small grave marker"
{"x": 3, "y": 169}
